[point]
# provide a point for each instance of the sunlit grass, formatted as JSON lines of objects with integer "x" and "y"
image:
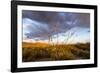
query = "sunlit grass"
{"x": 47, "y": 52}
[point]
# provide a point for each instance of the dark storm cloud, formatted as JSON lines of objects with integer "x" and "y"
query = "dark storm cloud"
{"x": 44, "y": 22}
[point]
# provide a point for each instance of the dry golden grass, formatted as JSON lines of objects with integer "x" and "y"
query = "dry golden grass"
{"x": 47, "y": 52}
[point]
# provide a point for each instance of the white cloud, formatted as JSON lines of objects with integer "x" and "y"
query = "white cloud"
{"x": 79, "y": 35}
{"x": 32, "y": 27}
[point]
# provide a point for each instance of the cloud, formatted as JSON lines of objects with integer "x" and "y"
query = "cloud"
{"x": 42, "y": 24}
{"x": 32, "y": 28}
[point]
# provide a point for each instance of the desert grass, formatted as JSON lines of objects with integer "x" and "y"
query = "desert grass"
{"x": 45, "y": 52}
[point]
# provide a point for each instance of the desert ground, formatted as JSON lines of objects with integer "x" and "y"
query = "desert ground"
{"x": 46, "y": 52}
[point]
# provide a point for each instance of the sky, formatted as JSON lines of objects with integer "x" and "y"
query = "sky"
{"x": 63, "y": 26}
